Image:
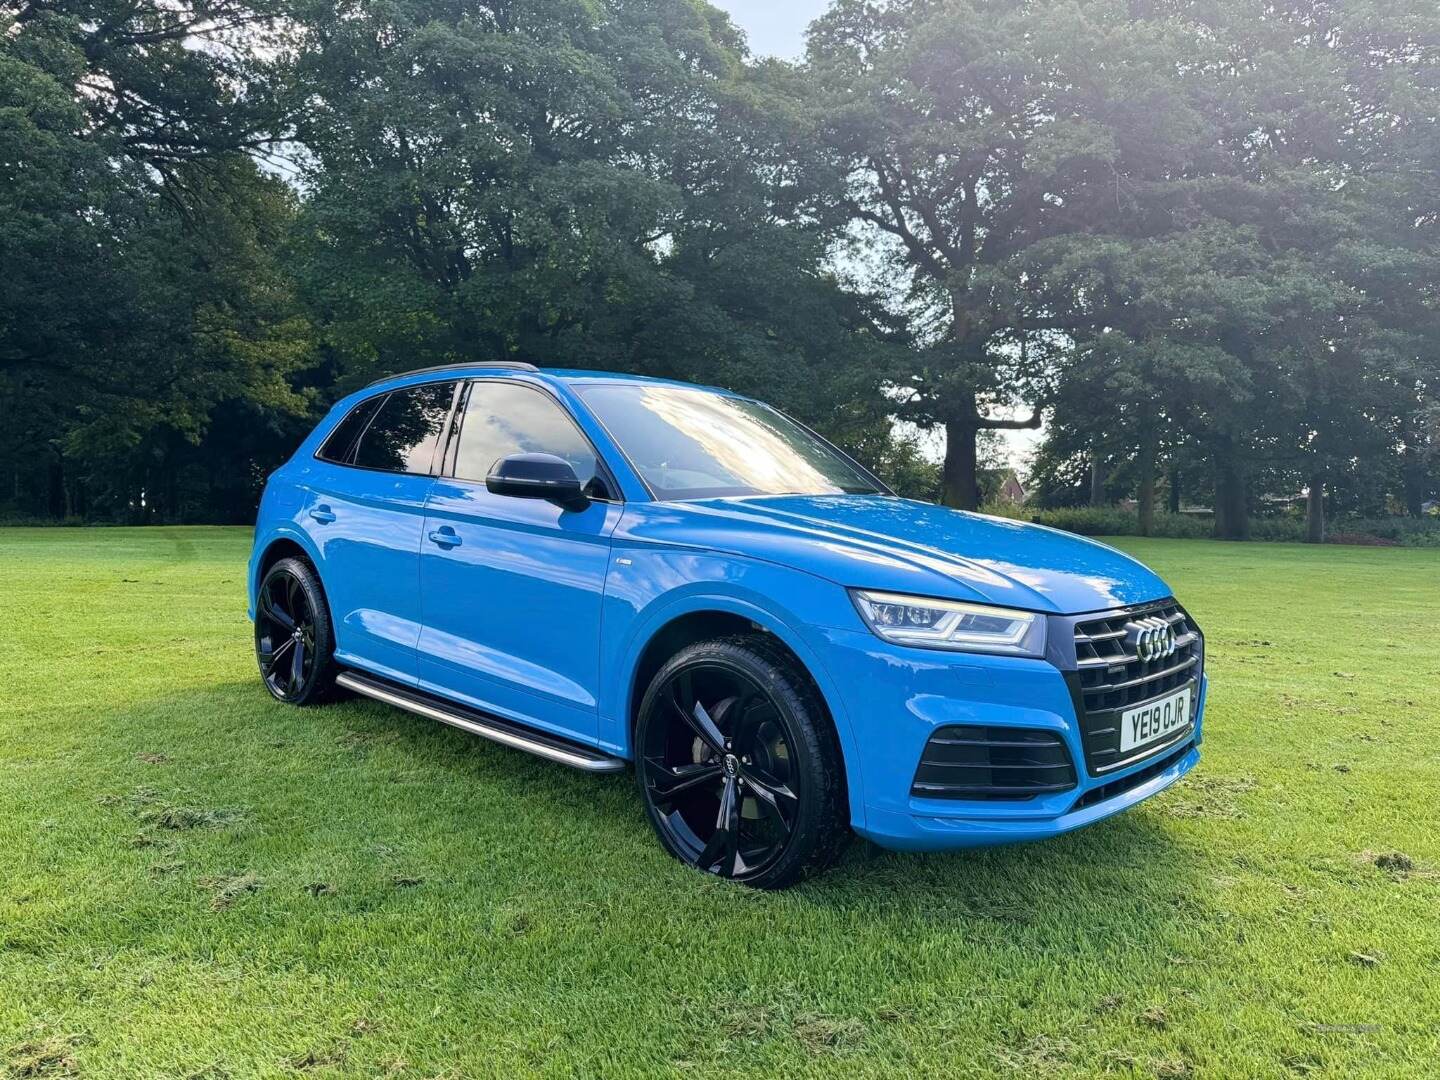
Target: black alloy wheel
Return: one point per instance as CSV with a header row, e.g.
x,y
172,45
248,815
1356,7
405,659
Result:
x,y
738,764
292,633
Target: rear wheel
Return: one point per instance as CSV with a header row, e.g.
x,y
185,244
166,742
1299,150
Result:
x,y
739,765
293,638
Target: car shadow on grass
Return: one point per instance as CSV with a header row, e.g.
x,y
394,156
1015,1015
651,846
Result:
x,y
1125,862
432,782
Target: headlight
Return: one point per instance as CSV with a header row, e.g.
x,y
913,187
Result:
x,y
949,624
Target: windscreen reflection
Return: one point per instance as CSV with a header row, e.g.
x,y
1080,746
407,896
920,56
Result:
x,y
695,444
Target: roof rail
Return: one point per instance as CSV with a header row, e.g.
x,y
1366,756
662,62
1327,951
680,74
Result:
x,y
511,365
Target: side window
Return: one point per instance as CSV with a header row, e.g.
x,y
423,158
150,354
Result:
x,y
503,418
404,433
341,442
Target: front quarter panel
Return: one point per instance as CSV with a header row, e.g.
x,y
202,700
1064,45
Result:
x,y
651,584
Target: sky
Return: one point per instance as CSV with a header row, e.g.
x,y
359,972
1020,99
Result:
x,y
777,28
774,27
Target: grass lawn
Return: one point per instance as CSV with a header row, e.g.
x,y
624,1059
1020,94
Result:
x,y
197,881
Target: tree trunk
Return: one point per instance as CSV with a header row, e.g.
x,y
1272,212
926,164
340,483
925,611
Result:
x,y
1232,510
958,485
1315,509
55,502
1097,475
172,489
1412,477
1145,491
151,498
1174,490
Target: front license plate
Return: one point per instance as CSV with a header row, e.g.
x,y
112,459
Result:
x,y
1156,720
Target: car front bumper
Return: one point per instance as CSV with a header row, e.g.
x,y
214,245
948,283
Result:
x,y
896,698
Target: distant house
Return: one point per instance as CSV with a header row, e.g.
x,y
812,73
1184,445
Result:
x,y
1011,489
1430,506
1002,485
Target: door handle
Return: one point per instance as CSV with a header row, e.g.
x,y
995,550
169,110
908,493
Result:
x,y
445,537
322,514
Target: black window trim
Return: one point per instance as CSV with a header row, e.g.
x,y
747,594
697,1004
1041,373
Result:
x,y
457,413
434,468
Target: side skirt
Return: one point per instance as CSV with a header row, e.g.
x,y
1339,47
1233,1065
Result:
x,y
504,732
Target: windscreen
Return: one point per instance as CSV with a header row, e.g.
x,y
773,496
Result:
x,y
696,444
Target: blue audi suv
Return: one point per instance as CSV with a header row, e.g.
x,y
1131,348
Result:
x,y
611,571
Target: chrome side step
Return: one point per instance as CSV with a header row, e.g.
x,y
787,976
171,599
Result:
x,y
493,728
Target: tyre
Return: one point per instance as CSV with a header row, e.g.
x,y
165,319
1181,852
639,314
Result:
x,y
739,766
294,642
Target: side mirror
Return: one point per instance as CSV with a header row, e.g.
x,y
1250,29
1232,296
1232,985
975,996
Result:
x,y
537,476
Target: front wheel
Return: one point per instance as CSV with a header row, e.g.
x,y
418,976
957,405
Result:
x,y
739,765
293,639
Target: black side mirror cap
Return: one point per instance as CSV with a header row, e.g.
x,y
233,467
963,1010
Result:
x,y
537,476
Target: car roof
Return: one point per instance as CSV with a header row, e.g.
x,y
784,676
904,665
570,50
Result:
x,y
571,376
581,377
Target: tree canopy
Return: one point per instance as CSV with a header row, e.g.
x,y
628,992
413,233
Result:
x,y
1197,240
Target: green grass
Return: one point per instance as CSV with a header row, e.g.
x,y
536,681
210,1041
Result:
x,y
196,881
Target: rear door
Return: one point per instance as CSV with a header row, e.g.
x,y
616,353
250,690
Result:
x,y
366,515
512,587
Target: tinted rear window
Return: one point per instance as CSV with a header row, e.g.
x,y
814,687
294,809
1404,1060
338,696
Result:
x,y
403,435
341,444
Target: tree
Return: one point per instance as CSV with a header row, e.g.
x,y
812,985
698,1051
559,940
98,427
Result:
x,y
573,186
1286,272
984,140
141,290
164,85
1202,234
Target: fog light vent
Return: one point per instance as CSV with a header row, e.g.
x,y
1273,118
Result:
x,y
975,762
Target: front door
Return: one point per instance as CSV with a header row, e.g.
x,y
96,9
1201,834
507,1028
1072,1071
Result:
x,y
511,588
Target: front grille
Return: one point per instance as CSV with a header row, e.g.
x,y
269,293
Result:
x,y
1111,678
974,762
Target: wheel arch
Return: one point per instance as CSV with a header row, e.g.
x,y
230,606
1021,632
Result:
x,y
282,548
280,545
699,617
